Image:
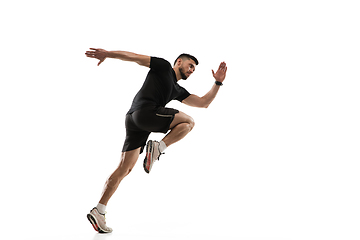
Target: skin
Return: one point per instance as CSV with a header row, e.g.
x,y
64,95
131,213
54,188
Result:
x,y
180,126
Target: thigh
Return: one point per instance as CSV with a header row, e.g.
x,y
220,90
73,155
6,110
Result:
x,y
154,119
128,161
181,117
135,137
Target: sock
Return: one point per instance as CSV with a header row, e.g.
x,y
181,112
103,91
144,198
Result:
x,y
101,208
162,146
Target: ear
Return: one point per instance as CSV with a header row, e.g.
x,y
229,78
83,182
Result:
x,y
179,62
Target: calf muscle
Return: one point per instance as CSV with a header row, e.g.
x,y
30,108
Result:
x,y
128,160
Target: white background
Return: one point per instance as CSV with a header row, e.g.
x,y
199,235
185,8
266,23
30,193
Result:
x,y
275,156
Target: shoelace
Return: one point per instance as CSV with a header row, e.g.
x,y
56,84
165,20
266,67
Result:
x,y
158,158
104,216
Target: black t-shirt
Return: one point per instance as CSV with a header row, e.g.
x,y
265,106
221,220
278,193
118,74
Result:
x,y
160,86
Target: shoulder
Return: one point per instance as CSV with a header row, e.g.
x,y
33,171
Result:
x,y
159,64
182,94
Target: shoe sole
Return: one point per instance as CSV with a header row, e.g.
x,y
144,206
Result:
x,y
94,223
149,150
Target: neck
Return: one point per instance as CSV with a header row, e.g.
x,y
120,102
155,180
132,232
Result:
x,y
177,73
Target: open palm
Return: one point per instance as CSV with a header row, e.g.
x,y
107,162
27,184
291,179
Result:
x,y
97,53
220,73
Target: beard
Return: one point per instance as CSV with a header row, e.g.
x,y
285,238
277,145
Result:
x,y
182,73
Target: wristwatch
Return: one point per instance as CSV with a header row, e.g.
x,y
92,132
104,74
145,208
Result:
x,y
218,83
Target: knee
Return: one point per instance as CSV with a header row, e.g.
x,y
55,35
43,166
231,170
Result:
x,y
191,123
124,170
128,171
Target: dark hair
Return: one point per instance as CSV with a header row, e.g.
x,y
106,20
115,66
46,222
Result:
x,y
188,56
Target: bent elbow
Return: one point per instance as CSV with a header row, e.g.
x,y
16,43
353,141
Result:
x,y
206,105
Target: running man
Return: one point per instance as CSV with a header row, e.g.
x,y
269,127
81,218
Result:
x,y
149,114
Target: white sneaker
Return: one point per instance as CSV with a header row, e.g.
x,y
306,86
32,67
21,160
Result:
x,y
152,153
97,220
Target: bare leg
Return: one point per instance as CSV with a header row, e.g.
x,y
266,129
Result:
x,y
180,127
128,160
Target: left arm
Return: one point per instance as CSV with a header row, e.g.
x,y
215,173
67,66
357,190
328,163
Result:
x,y
102,54
204,101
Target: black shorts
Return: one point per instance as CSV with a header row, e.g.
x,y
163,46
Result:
x,y
141,123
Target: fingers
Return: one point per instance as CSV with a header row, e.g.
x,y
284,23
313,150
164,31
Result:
x,y
223,67
93,52
97,49
101,61
97,53
90,53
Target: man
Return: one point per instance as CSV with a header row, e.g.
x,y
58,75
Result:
x,y
148,114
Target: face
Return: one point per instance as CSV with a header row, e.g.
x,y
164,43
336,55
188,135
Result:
x,y
187,68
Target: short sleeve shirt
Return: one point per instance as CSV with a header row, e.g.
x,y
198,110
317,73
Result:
x,y
160,86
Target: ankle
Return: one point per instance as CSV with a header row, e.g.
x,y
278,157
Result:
x,y
162,146
101,208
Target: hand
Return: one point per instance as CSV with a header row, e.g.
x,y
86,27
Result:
x,y
97,53
220,73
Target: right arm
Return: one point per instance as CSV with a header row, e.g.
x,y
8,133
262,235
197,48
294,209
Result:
x,y
102,54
